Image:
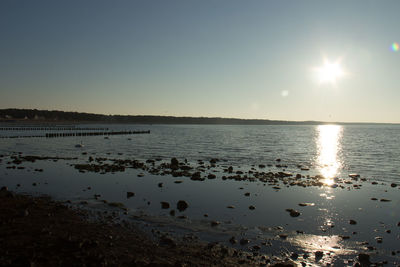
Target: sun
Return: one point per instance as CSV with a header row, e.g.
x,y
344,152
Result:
x,y
329,72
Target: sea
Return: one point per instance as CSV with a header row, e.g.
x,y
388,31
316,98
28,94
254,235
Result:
x,y
342,181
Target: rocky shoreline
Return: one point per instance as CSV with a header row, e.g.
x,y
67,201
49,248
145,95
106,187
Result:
x,y
37,231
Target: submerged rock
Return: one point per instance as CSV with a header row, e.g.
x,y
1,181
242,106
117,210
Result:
x,y
293,213
252,207
182,205
352,222
164,205
130,194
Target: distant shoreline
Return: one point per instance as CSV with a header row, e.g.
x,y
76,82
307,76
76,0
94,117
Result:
x,y
33,116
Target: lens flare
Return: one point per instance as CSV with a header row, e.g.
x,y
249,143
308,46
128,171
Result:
x,y
395,47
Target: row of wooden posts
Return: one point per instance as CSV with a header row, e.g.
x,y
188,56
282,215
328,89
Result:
x,y
51,129
52,135
57,135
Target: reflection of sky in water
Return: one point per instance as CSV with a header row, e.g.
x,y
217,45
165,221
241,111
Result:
x,y
329,146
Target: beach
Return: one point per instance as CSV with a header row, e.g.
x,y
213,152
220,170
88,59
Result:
x,y
268,211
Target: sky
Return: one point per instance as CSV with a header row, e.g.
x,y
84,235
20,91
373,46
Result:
x,y
211,58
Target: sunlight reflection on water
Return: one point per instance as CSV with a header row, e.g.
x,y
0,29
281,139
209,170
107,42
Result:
x,y
329,148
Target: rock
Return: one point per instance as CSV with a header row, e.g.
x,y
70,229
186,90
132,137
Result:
x,y
318,255
130,194
232,240
364,259
261,166
393,185
140,174
352,222
174,161
172,213
244,241
306,204
167,241
214,160
385,200
160,184
278,160
196,176
293,213
354,175
374,198
164,205
398,224
182,205
247,194
215,223
211,176
252,207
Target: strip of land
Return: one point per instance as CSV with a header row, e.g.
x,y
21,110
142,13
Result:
x,y
37,231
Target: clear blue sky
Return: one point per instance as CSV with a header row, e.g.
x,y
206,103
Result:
x,y
243,59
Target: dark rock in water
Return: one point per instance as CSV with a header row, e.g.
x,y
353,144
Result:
x,y
278,160
393,185
318,255
232,240
167,241
172,213
182,205
213,161
374,198
364,259
379,239
294,256
256,247
178,182
174,161
230,169
230,207
352,222
293,213
247,194
211,176
385,200
130,194
244,241
252,208
261,166
215,223
160,184
398,224
164,205
283,236
196,177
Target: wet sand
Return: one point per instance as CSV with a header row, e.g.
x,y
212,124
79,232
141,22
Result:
x,y
37,231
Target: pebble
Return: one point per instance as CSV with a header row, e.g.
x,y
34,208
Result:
x,y
182,205
164,205
252,208
352,222
130,194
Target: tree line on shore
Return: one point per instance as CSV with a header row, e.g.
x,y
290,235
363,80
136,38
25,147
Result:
x,y
12,115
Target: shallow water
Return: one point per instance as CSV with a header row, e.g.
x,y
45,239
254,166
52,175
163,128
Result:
x,y
331,151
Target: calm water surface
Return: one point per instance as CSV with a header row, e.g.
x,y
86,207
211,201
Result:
x,y
332,151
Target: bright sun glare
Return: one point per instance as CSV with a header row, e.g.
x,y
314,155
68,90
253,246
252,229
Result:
x,y
330,72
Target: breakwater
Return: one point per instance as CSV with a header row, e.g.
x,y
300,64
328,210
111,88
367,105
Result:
x,y
71,134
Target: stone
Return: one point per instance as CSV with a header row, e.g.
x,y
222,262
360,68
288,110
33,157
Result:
x,y
215,223
252,207
160,184
182,205
293,213
364,259
352,222
244,241
232,240
164,205
211,176
130,194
